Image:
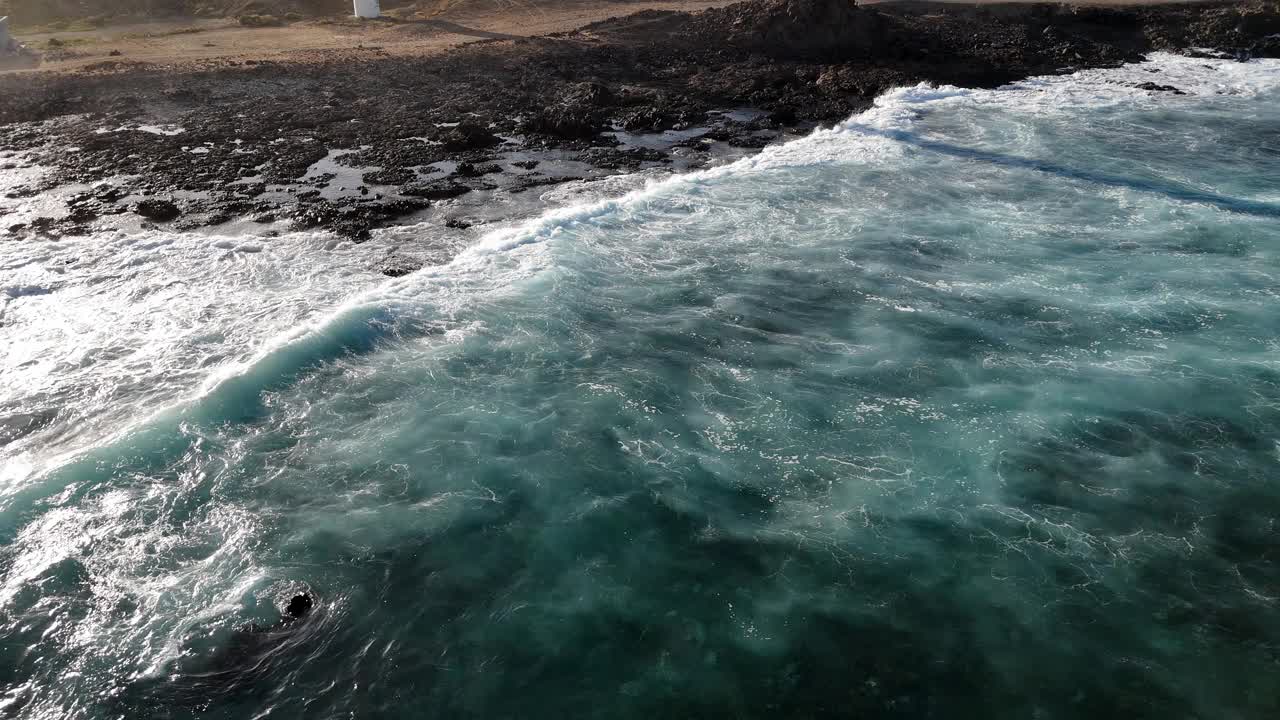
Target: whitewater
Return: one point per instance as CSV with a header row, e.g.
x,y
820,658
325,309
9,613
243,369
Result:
x,y
966,407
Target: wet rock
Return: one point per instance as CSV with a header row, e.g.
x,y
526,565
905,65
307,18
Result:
x,y
621,158
299,606
469,136
1257,22
435,190
389,176
580,113
750,141
783,116
649,119
43,224
315,215
469,169
529,181
354,221
108,193
844,80
1153,87
398,266
400,207
157,210
564,122
83,214
590,93
22,192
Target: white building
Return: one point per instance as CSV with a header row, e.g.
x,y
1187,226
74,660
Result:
x,y
367,9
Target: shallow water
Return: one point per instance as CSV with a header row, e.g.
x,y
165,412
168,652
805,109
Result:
x,y
966,408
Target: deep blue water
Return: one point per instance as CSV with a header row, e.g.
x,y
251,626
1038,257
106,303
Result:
x,y
967,408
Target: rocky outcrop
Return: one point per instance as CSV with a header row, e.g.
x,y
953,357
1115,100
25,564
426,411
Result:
x,y
404,118
157,209
469,136
810,29
576,115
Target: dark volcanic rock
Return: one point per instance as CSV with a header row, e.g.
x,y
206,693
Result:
x,y
648,119
1159,88
390,176
398,266
354,221
580,113
467,168
564,122
157,209
469,136
820,29
527,182
436,190
801,61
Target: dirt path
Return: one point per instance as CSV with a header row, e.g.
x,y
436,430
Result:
x,y
196,41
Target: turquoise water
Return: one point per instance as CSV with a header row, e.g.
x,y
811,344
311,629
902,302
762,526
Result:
x,y
966,408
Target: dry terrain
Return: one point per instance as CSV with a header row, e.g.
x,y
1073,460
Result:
x,y
167,42
198,40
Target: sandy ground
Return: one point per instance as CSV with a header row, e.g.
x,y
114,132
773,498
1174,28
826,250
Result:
x,y
171,42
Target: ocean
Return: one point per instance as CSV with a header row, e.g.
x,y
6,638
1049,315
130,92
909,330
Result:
x,y
966,407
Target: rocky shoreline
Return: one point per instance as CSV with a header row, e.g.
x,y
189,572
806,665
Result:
x,y
359,140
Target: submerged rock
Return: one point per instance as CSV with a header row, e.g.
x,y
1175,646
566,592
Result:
x,y
398,266
299,606
1153,87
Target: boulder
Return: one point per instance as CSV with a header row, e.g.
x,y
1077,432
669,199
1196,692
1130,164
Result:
x,y
157,209
468,136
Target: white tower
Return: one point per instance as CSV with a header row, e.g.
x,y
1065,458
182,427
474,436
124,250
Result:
x,y
6,42
367,9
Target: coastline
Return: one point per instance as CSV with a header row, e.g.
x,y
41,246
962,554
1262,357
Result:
x,y
962,404
355,141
